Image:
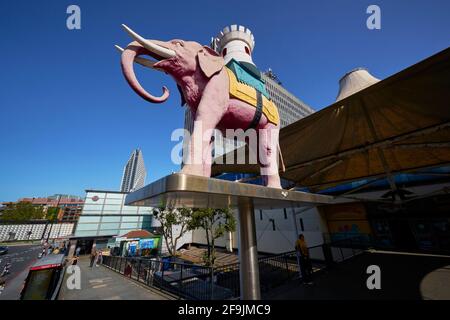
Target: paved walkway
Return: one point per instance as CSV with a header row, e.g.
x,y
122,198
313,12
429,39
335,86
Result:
x,y
404,276
100,283
223,257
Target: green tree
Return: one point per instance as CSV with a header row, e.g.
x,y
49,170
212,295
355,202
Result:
x,y
52,213
22,211
174,224
215,222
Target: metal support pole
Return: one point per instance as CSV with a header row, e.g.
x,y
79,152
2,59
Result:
x,y
294,215
248,252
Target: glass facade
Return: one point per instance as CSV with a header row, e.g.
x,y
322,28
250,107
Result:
x,y
104,214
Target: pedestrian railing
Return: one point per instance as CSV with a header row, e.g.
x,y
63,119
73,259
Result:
x,y
187,281
196,282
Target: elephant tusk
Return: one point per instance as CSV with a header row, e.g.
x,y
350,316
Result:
x,y
119,48
149,45
141,61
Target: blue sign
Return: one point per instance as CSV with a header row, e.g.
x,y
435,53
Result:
x,y
132,249
147,243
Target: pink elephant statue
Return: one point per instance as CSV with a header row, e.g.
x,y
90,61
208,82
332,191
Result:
x,y
204,82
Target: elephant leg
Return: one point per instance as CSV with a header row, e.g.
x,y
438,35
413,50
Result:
x,y
207,158
268,155
200,148
193,159
188,159
214,103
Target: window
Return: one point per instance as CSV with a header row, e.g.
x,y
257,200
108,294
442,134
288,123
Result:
x,y
115,196
273,224
114,201
130,219
92,207
87,226
111,232
247,50
112,207
129,210
109,226
285,213
224,52
301,225
111,219
86,219
129,226
85,233
260,215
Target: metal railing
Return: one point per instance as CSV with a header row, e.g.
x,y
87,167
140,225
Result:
x,y
196,282
187,281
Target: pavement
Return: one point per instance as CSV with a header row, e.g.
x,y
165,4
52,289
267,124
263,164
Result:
x,y
100,283
21,257
404,276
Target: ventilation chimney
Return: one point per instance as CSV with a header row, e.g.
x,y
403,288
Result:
x,y
354,81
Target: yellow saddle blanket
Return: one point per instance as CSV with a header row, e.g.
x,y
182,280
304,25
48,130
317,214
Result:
x,y
247,94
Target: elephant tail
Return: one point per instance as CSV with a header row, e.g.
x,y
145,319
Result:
x,y
280,154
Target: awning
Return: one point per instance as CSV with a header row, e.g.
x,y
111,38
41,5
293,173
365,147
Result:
x,y
138,234
399,124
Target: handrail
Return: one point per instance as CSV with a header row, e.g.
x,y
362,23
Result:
x,y
193,281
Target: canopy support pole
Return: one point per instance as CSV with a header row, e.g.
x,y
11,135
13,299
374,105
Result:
x,y
248,251
380,151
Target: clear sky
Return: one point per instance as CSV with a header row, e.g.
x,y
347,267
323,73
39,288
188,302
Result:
x,y
69,121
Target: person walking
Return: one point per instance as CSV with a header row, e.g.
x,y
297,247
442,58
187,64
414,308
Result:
x,y
93,256
2,284
77,251
305,262
99,258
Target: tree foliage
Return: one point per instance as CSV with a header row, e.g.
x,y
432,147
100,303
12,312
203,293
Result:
x,y
215,222
174,224
52,213
22,211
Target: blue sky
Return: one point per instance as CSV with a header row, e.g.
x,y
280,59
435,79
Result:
x,y
69,121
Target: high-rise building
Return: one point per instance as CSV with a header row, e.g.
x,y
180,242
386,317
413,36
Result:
x,y
290,107
134,172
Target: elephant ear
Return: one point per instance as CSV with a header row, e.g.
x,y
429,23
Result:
x,y
210,62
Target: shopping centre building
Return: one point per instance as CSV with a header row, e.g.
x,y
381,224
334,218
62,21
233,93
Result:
x,y
105,217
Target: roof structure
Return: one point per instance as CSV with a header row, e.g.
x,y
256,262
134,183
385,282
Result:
x,y
141,234
354,81
399,124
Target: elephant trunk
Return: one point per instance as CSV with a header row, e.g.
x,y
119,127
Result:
x,y
132,51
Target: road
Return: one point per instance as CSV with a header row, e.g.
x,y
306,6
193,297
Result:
x,y
21,257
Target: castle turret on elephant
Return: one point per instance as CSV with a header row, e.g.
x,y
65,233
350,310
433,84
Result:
x,y
216,98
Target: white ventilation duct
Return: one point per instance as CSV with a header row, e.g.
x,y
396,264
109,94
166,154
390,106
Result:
x,y
354,81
